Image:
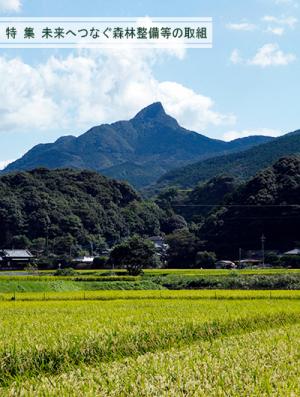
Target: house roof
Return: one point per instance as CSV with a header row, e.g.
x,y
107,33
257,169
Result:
x,y
84,259
16,254
156,238
295,251
250,260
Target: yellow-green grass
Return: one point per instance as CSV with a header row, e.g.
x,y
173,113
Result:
x,y
101,274
42,339
219,272
151,294
79,277
16,283
259,364
15,288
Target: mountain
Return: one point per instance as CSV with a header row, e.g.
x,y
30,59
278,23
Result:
x,y
139,150
268,204
73,208
243,165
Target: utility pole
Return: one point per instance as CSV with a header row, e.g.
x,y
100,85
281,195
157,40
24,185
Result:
x,y
240,257
91,248
263,240
47,235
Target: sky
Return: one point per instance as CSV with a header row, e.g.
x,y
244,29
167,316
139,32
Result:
x,y
247,84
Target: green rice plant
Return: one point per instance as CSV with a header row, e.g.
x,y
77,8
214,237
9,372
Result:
x,y
261,363
53,336
140,294
219,272
69,278
19,288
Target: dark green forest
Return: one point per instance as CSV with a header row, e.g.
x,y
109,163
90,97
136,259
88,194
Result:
x,y
69,212
269,204
225,214
71,209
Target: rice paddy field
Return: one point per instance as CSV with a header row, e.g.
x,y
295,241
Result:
x,y
150,343
45,282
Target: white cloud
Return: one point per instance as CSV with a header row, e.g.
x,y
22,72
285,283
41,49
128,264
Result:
x,y
73,93
10,5
285,21
231,135
271,55
277,31
241,26
293,3
25,103
193,110
4,163
278,25
235,57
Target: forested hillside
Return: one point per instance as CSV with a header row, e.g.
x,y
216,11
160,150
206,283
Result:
x,y
71,208
269,205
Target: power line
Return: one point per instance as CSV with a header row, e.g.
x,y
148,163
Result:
x,y
239,205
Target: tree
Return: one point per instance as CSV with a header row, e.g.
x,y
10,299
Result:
x,y
52,204
267,205
134,254
98,244
166,197
174,222
100,262
196,204
206,259
272,259
63,245
292,261
38,246
183,246
20,242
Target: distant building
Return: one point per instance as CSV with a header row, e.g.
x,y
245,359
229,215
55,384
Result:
x,y
15,259
295,251
84,261
159,243
225,265
106,252
244,263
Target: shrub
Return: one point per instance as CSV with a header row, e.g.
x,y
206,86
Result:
x,y
100,262
32,268
272,259
292,261
68,271
206,259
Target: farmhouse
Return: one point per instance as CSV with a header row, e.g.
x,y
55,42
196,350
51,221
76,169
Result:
x,y
84,262
159,244
15,259
222,264
295,251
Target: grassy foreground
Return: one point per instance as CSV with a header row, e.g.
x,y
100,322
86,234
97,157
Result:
x,y
224,367
110,295
152,343
157,279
